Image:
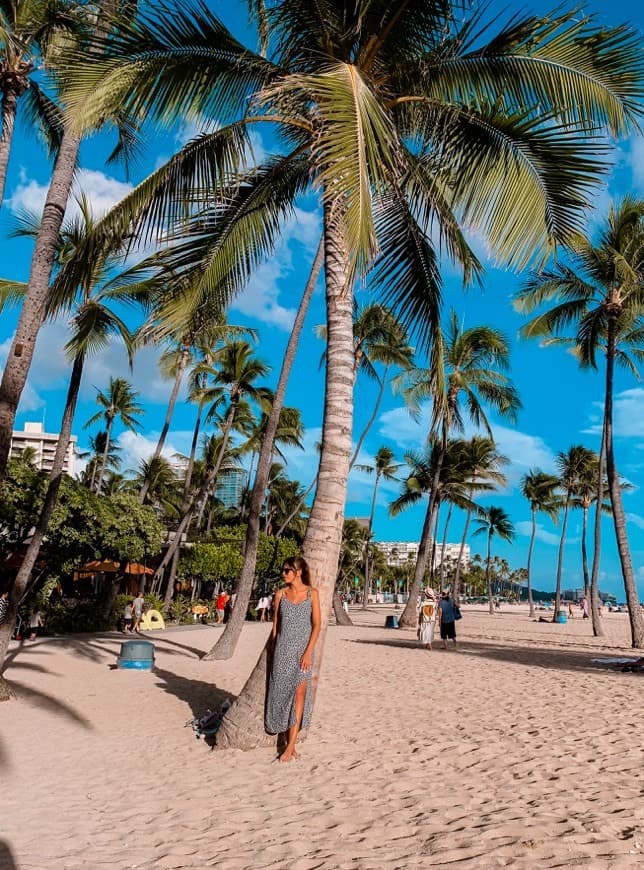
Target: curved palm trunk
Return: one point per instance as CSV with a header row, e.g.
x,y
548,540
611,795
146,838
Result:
x,y
562,542
598,625
183,362
441,570
243,725
461,552
529,565
8,112
225,646
195,501
367,561
409,618
23,578
33,307
372,419
619,518
488,573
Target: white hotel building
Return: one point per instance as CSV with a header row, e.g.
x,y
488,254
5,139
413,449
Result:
x,y
401,553
44,446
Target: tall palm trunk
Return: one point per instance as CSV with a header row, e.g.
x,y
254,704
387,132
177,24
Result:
x,y
488,573
23,578
372,418
8,111
33,307
103,463
529,565
562,543
409,618
196,500
598,625
183,362
367,561
243,725
225,646
584,552
461,551
441,570
619,518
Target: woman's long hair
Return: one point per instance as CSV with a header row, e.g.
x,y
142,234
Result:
x,y
299,564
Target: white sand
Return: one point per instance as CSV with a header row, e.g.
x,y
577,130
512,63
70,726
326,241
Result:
x,y
512,752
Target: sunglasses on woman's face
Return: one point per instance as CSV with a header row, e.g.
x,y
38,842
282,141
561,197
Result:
x,y
288,570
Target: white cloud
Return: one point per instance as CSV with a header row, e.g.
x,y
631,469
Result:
x,y
102,191
145,377
49,367
634,156
524,451
524,528
628,415
635,520
260,298
136,447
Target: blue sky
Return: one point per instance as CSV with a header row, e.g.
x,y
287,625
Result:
x,y
561,405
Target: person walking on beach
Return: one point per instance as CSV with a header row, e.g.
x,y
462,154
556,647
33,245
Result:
x,y
220,607
447,614
127,617
137,607
296,627
4,605
35,624
262,607
427,618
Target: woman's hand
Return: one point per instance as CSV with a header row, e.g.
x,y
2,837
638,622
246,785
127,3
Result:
x,y
305,661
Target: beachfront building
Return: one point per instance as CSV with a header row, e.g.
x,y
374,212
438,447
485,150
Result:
x,y
231,484
42,446
401,553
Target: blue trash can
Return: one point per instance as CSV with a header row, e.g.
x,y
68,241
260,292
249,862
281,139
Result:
x,y
136,655
391,621
561,617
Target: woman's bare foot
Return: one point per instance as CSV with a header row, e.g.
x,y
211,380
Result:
x,y
288,755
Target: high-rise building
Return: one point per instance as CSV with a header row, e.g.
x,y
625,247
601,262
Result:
x,y
400,553
231,484
43,445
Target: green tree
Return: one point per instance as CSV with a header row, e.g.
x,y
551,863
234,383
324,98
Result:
x,y
540,489
119,402
470,371
403,117
601,292
494,522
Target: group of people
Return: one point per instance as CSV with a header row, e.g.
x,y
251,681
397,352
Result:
x,y
132,615
445,611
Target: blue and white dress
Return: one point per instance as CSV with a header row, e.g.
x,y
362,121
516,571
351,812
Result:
x,y
293,635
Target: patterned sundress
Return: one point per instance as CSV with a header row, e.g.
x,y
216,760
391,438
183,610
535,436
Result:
x,y
293,634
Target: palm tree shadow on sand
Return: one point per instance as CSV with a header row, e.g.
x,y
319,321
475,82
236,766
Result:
x,y
7,860
560,659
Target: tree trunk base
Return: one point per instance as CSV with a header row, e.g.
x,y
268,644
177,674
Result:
x,y
243,725
341,616
6,692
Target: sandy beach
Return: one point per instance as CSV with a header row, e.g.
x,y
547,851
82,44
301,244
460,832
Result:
x,y
514,751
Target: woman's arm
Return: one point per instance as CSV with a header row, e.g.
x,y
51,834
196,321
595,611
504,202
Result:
x,y
276,610
305,661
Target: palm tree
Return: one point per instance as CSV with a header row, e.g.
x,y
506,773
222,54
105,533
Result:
x,y
494,521
95,454
574,467
479,464
27,30
470,368
540,490
385,468
234,371
93,324
403,118
33,310
119,401
378,337
602,292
